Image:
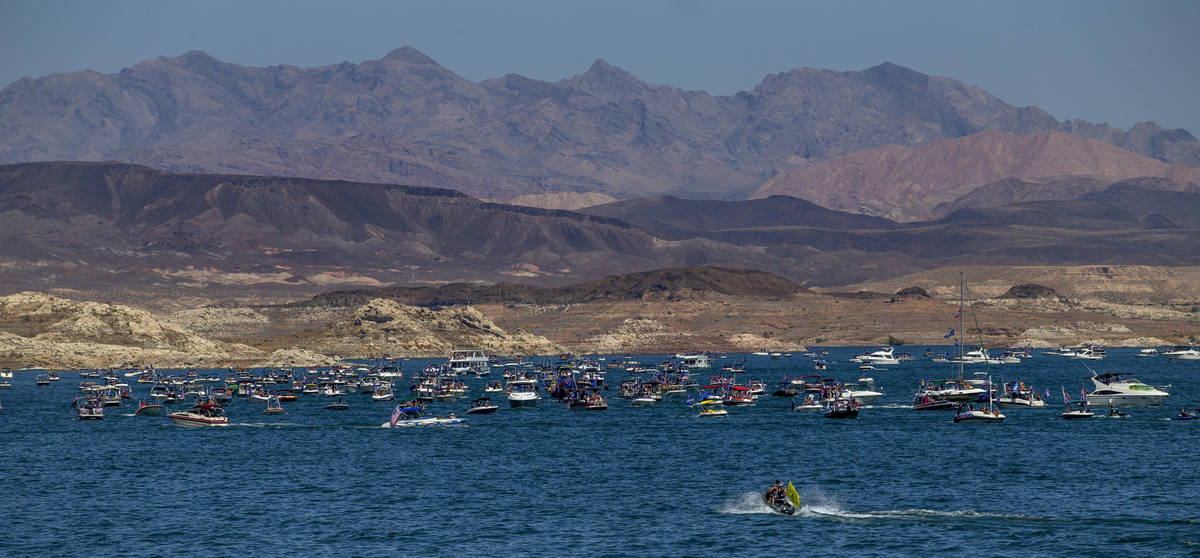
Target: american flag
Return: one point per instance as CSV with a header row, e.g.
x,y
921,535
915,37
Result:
x,y
396,415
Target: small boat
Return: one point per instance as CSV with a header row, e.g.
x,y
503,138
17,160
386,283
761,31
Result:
x,y
414,416
148,410
810,404
42,380
967,413
1146,353
90,408
274,407
338,405
712,408
287,395
383,392
929,403
494,386
205,412
841,409
482,406
644,400
1185,414
1077,413
783,500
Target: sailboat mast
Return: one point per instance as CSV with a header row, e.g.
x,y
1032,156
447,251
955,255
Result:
x,y
962,320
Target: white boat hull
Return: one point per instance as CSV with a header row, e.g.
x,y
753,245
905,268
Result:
x,y
425,421
522,402
1119,400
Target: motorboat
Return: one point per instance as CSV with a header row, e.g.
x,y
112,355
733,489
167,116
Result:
x,y
89,408
414,416
1121,389
841,408
862,391
927,402
969,413
274,407
710,408
643,401
287,395
785,389
493,386
1017,395
42,380
694,361
950,390
383,392
148,410
1146,353
482,406
205,412
338,405
523,392
1072,413
1183,352
809,405
1089,353
882,356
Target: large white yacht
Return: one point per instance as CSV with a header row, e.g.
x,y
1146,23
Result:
x,y
699,360
882,356
1120,389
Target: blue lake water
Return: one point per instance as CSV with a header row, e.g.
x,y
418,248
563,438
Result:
x,y
640,481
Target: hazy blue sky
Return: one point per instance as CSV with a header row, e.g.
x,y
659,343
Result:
x,y
1115,62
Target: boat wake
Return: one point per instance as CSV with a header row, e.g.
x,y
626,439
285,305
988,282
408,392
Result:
x,y
820,505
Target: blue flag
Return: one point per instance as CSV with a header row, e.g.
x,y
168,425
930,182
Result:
x,y
948,335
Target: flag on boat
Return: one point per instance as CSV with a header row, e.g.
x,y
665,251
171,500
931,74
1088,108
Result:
x,y
1066,398
792,496
396,415
949,335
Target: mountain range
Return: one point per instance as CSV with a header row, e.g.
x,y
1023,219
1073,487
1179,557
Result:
x,y
404,119
113,226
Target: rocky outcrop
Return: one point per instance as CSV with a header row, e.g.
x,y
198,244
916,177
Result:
x,y
62,333
386,327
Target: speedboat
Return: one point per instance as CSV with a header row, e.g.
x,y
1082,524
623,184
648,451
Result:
x,y
841,408
1077,413
1144,353
810,404
971,414
929,403
383,392
482,406
89,409
338,405
644,400
205,412
1121,389
1017,395
414,416
1183,352
523,393
862,391
148,410
712,408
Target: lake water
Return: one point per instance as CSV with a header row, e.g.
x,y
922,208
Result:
x,y
630,481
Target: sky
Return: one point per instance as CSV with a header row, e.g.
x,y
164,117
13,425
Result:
x,y
1100,60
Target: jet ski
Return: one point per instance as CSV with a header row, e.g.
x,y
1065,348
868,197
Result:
x,y
787,503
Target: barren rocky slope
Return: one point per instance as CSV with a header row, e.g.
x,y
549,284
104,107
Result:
x,y
908,183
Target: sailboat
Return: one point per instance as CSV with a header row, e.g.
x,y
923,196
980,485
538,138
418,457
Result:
x,y
966,412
